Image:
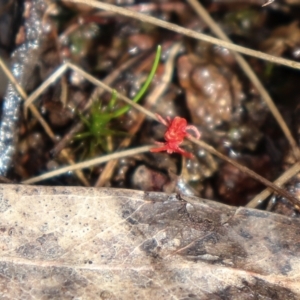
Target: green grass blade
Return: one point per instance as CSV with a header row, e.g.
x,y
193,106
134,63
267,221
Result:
x,y
145,86
112,101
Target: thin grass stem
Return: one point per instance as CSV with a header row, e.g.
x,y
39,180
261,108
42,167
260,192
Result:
x,y
188,32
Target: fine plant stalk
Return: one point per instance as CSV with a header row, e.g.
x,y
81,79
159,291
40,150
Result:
x,y
287,175
145,86
107,88
188,32
250,73
88,163
39,117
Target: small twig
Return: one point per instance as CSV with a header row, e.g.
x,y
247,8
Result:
x,y
111,78
38,116
280,181
88,163
66,139
109,89
12,79
246,170
5,180
45,85
89,77
201,11
177,7
268,2
23,94
188,32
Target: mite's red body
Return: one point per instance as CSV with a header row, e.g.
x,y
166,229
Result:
x,y
174,136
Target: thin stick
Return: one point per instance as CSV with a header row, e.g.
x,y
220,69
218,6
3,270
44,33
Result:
x,y
188,32
12,79
109,79
45,85
38,116
202,12
268,2
246,170
280,181
88,163
23,94
109,89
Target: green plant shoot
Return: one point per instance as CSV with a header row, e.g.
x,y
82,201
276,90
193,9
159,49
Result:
x,y
99,117
145,86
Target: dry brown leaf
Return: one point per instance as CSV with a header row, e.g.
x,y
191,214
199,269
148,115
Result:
x,y
87,243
